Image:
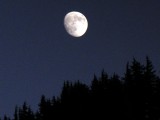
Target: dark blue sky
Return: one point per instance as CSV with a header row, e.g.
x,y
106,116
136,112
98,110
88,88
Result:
x,y
37,55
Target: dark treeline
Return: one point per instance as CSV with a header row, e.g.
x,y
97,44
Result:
x,y
135,96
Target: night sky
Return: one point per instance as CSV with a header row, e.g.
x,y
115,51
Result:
x,y
37,54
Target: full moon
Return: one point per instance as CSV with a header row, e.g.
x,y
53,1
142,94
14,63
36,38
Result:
x,y
75,24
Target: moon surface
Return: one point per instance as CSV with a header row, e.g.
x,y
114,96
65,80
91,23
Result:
x,y
75,24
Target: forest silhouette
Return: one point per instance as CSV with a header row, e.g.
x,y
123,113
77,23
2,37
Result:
x,y
135,96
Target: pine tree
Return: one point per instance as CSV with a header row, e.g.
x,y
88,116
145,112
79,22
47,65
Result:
x,y
151,91
16,113
134,87
25,113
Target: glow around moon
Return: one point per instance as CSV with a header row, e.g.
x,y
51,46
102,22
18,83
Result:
x,y
75,24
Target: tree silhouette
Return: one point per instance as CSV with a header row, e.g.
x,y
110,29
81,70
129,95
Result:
x,y
25,113
16,113
132,97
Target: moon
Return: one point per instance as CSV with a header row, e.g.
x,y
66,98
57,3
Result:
x,y
75,23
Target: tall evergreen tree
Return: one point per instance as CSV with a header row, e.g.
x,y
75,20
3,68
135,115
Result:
x,y
25,113
151,91
16,113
